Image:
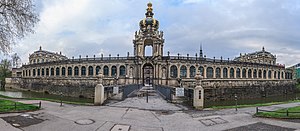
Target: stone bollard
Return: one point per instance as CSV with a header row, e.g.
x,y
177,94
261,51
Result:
x,y
198,101
99,91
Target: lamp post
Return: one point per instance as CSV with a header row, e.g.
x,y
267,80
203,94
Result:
x,y
61,95
235,98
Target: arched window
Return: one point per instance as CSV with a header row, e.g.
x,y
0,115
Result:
x,y
244,73
278,75
231,73
238,73
210,72
259,74
265,74
183,71
91,71
275,74
76,71
97,70
201,70
83,71
47,71
192,71
122,71
63,71
52,72
282,75
105,70
254,73
113,71
57,71
38,70
69,71
29,71
249,73
225,73
218,72
32,73
269,74
173,71
43,71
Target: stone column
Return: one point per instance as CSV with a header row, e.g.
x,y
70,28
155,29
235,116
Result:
x,y
214,72
99,91
198,100
234,72
221,72
204,72
187,71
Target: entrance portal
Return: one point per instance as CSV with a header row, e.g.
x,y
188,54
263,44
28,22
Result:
x,y
148,74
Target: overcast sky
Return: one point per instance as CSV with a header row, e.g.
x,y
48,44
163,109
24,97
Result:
x,y
225,27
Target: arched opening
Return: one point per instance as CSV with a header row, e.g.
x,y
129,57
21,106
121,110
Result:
x,y
148,47
148,51
148,74
210,72
105,71
231,73
57,71
249,73
52,72
113,71
83,71
173,71
238,73
47,71
201,70
225,73
63,71
122,71
43,72
192,72
91,71
97,70
76,71
255,73
69,71
218,72
183,71
244,73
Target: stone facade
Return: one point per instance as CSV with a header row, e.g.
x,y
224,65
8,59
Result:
x,y
55,69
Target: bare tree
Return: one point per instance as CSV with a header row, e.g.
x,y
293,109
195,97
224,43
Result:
x,y
17,18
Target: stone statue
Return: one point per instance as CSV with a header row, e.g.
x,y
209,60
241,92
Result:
x,y
100,77
198,78
163,73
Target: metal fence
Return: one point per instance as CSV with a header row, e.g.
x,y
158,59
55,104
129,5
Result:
x,y
287,112
165,91
129,89
16,107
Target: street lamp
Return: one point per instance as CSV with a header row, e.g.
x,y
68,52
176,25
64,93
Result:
x,y
235,98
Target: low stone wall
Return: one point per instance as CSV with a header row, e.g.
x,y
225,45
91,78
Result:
x,y
214,89
226,90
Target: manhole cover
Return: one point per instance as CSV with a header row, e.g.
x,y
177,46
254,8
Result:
x,y
84,121
120,128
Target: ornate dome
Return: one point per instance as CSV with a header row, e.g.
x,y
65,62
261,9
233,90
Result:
x,y
149,22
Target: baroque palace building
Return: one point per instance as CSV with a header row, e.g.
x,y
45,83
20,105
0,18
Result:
x,y
156,69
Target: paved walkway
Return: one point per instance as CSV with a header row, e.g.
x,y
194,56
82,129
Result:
x,y
135,114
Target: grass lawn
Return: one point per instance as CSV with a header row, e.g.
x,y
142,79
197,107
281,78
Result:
x,y
282,113
254,105
52,100
9,106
